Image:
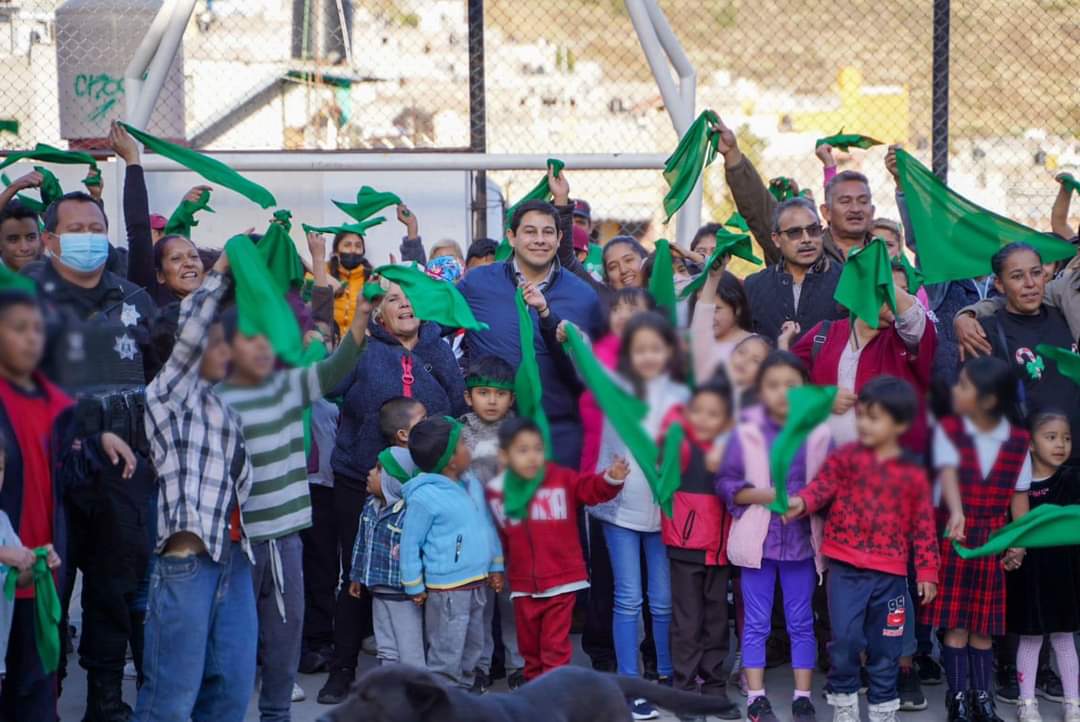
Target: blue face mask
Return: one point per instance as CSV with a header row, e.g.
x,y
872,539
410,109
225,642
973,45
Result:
x,y
84,252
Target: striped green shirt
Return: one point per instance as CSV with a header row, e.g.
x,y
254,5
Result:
x,y
272,416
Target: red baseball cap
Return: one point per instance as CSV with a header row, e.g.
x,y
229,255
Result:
x,y
581,208
158,221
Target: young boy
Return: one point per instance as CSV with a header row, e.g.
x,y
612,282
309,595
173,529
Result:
x,y
879,507
376,563
546,565
449,549
270,405
489,392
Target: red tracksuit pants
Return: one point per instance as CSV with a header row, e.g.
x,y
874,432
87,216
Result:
x,y
543,630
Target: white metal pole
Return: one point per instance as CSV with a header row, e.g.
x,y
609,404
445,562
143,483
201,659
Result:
x,y
162,61
346,161
136,69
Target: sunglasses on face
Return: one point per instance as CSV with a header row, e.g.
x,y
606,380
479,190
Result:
x,y
813,230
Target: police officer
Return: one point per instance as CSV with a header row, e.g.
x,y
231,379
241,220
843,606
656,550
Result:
x,y
99,351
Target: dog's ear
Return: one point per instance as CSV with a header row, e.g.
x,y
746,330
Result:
x,y
425,695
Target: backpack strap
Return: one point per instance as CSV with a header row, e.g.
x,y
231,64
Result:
x,y
819,339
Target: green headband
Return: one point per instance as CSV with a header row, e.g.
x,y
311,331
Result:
x,y
474,381
392,467
451,445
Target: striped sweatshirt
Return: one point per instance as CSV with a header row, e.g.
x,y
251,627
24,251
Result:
x,y
272,416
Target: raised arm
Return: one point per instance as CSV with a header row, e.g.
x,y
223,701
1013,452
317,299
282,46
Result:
x,y
752,197
136,210
1059,213
412,246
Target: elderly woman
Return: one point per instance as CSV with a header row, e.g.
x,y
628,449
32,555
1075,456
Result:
x,y
404,357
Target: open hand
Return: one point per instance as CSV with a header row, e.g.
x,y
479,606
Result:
x,y
619,469
117,450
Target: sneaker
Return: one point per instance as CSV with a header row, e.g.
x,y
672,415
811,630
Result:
x,y
515,680
315,661
845,707
959,707
337,686
885,711
298,694
930,672
1048,685
760,710
641,709
1071,708
802,710
1027,710
481,682
982,706
1006,688
912,698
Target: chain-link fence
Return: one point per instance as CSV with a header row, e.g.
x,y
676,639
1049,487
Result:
x,y
570,77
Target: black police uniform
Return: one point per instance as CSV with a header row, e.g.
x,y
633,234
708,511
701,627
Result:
x,y
99,351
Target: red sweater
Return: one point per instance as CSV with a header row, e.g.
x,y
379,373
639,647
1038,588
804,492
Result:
x,y
885,354
879,511
543,550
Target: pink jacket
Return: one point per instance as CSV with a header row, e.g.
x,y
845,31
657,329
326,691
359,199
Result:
x,y
747,536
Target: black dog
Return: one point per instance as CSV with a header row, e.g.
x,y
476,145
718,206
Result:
x,y
398,693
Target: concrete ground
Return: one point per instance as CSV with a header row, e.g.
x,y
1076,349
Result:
x,y
778,682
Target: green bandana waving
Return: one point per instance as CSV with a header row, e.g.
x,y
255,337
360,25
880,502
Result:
x,y
783,188
368,202
914,276
1067,180
1047,525
1068,363
432,299
846,141
48,154
866,283
727,243
662,281
957,238
697,148
50,190
212,170
358,228
46,608
540,192
183,220
279,254
808,407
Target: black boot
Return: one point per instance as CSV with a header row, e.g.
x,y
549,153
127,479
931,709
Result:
x,y
982,707
104,697
958,706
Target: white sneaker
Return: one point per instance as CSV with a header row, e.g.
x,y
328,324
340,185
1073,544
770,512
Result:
x,y
1027,710
298,693
1071,708
845,707
885,711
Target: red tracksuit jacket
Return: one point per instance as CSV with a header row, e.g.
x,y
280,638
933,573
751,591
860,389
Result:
x,y
543,550
878,511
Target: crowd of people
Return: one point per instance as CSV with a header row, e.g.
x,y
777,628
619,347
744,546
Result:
x,y
241,514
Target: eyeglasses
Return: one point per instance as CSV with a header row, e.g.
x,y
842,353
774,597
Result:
x,y
813,230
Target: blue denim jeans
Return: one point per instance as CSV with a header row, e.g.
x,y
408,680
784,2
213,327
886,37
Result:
x,y
199,657
624,547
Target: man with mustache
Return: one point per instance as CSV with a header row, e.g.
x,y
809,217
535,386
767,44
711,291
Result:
x,y
848,208
799,287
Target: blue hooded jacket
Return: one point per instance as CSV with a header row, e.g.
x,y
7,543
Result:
x,y
437,384
449,539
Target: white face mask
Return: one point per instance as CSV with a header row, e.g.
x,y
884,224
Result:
x,y
84,252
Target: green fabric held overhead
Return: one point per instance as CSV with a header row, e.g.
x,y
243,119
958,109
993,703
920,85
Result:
x,y
280,255
183,220
46,608
783,188
915,279
662,281
866,283
735,220
209,168
539,192
957,238
14,281
696,149
50,186
373,290
368,202
1068,363
670,467
528,393
1070,182
808,407
48,154
623,410
93,178
735,244
1047,525
432,299
846,141
392,466
10,126
358,228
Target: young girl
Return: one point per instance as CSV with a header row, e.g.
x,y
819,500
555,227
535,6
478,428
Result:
x,y
721,320
746,359
984,469
696,539
766,548
1043,592
650,365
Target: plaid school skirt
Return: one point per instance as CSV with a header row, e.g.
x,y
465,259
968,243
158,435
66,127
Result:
x,y
971,593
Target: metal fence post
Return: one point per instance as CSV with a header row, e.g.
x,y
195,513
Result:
x,y
940,98
477,115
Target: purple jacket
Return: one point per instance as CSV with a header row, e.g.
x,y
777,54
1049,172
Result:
x,y
784,542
